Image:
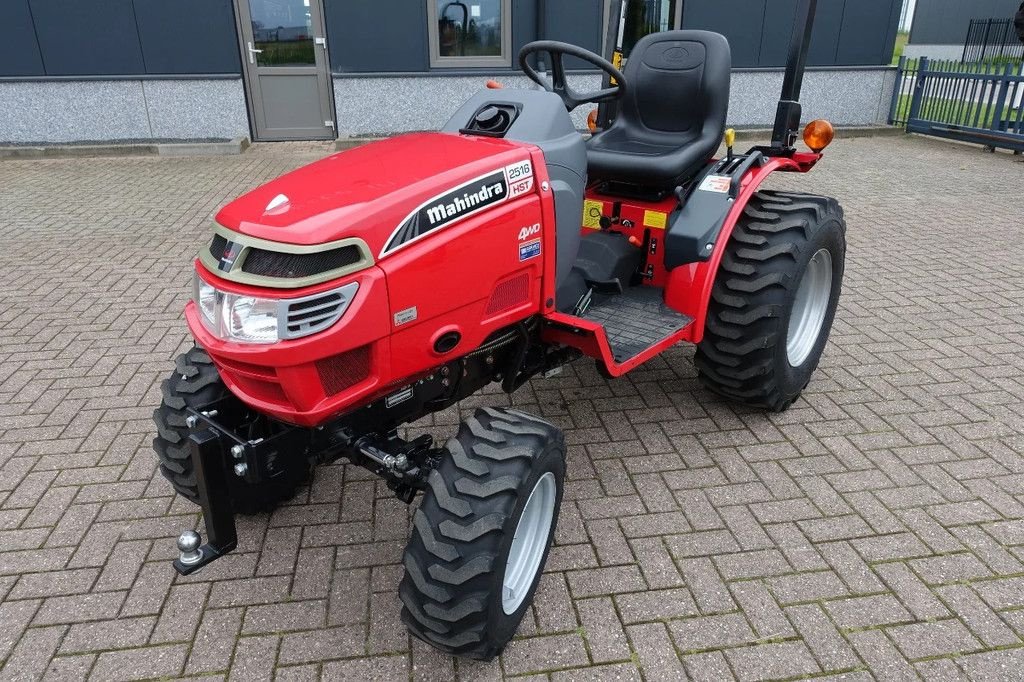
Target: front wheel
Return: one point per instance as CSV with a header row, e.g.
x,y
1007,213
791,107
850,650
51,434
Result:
x,y
195,383
774,299
482,532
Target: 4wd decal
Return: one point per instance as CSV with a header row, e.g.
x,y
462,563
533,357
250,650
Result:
x,y
463,201
529,231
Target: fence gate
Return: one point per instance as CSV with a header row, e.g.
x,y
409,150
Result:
x,y
992,39
980,103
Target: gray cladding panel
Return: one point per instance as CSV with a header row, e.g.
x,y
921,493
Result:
x,y
87,37
377,36
737,20
188,36
778,27
846,32
945,22
117,37
578,22
360,42
868,33
19,51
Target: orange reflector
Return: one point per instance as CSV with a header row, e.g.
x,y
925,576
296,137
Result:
x,y
592,121
494,85
819,134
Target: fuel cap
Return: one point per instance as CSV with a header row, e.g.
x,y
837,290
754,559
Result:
x,y
491,118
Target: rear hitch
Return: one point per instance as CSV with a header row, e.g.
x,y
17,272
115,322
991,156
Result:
x,y
215,500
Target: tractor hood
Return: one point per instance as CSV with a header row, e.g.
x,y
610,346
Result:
x,y
370,191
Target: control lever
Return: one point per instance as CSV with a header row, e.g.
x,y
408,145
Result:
x,y
680,194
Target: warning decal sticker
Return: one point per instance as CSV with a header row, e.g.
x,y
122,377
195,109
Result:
x,y
716,183
655,219
592,214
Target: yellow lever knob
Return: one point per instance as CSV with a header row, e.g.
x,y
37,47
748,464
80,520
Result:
x,y
730,137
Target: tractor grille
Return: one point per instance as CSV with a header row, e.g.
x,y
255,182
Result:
x,y
309,315
296,265
341,372
259,262
218,246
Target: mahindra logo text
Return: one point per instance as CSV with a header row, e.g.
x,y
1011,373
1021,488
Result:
x,y
467,202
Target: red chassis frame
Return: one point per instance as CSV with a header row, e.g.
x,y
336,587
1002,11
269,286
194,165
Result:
x,y
287,379
687,288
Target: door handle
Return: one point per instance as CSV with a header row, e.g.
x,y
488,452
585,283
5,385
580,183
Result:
x,y
252,52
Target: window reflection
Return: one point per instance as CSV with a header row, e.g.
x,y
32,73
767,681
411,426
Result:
x,y
644,17
283,29
469,29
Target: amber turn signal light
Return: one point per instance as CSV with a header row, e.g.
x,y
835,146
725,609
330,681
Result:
x,y
819,134
592,121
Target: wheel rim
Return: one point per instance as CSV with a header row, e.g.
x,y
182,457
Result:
x,y
528,544
809,308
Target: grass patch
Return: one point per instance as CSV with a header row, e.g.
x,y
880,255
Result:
x,y
956,112
901,45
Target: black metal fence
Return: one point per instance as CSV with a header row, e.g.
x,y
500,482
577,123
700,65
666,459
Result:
x,y
903,93
979,102
992,40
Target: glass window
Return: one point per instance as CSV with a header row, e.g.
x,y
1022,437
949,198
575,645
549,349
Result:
x,y
471,33
283,31
644,17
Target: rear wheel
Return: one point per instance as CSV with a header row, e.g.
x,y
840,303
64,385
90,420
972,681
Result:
x,y
774,299
482,532
196,383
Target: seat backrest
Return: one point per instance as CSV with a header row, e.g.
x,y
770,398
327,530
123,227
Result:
x,y
678,87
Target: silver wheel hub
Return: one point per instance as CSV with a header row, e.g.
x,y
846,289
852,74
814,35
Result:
x,y
529,543
809,308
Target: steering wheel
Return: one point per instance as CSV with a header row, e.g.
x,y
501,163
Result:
x,y
559,84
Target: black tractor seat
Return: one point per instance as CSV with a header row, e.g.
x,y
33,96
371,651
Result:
x,y
672,116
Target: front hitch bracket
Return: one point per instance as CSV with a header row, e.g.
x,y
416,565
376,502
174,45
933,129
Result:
x,y
215,499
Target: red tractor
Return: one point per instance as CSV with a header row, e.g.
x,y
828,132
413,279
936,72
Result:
x,y
355,295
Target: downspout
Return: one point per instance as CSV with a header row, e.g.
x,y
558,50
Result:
x,y
542,30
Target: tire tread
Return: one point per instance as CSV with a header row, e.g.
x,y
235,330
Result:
x,y
453,552
744,321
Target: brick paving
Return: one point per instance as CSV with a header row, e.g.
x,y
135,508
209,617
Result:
x,y
875,530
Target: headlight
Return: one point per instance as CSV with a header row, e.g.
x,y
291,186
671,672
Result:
x,y
206,298
236,317
250,319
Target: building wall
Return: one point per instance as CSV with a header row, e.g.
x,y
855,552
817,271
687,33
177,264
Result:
x,y
945,22
401,103
846,32
63,38
75,70
122,110
102,70
361,43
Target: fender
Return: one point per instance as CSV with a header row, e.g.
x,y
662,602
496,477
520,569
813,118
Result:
x,y
689,286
